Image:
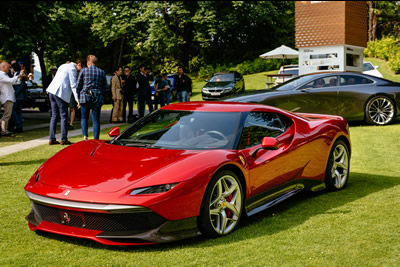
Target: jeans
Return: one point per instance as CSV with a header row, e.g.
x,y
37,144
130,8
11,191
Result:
x,y
85,110
182,96
17,114
58,108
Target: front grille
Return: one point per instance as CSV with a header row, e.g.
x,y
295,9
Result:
x,y
106,222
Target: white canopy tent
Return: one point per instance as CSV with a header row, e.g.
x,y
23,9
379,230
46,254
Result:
x,y
282,52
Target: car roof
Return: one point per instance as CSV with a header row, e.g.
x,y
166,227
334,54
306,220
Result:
x,y
217,106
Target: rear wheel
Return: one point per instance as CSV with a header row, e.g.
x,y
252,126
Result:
x,y
337,170
379,110
222,205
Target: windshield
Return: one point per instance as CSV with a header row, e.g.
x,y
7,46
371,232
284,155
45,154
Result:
x,y
172,129
293,83
290,71
368,66
226,77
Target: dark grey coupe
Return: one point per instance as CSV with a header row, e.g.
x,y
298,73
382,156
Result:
x,y
354,96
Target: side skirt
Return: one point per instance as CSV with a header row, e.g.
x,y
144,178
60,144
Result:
x,y
270,198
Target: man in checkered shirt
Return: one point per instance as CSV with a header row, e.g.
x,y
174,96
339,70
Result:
x,y
91,85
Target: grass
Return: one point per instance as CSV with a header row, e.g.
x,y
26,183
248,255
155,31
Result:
x,y
355,227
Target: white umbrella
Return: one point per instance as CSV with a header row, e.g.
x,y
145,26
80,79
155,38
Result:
x,y
281,52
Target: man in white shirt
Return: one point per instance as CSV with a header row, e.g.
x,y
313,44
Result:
x,y
7,95
60,90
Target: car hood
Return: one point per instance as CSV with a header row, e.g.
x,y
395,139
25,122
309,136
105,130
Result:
x,y
218,84
102,167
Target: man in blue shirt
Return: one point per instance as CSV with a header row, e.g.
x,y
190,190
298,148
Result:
x,y
91,85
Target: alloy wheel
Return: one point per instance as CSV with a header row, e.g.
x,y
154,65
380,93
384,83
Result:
x,y
340,166
225,204
380,110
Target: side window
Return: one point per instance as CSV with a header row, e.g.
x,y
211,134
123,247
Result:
x,y
261,124
323,82
354,80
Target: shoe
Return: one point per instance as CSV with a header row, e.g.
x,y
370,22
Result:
x,y
63,143
7,134
54,142
70,127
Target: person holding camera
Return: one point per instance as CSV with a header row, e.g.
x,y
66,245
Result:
x,y
7,95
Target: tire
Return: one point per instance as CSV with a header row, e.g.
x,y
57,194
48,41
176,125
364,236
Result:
x,y
243,88
380,110
220,213
44,108
337,169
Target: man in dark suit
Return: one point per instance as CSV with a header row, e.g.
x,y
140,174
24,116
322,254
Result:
x,y
130,91
144,91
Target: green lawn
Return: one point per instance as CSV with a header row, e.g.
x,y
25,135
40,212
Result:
x,y
358,226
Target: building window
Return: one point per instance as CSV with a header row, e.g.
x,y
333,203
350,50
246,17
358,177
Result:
x,y
352,60
318,56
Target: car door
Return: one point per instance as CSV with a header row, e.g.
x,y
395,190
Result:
x,y
317,96
271,168
353,93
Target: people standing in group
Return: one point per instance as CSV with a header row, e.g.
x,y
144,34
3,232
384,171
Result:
x,y
144,91
183,85
59,90
20,91
91,85
129,92
7,95
117,97
161,87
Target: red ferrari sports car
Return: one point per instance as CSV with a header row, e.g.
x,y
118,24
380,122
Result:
x,y
187,169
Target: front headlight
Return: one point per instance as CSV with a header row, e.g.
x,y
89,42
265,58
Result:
x,y
153,189
228,89
205,91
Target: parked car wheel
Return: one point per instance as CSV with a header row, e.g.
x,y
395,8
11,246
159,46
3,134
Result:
x,y
222,205
337,170
380,110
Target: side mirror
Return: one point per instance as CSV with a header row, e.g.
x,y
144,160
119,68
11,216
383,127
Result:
x,y
376,67
270,143
267,143
114,132
206,80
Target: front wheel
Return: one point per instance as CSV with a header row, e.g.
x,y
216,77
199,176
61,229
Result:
x,y
222,205
379,110
337,170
